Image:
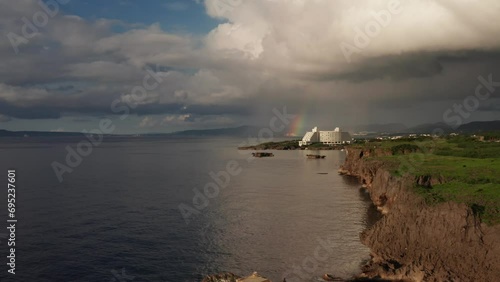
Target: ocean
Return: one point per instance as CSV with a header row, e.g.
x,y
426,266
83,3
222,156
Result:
x,y
158,209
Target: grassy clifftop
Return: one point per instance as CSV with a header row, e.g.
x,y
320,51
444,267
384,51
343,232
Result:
x,y
460,169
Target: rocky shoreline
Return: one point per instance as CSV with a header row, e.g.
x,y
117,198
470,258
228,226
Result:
x,y
419,242
415,241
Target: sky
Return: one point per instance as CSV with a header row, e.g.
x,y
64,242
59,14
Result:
x,y
163,66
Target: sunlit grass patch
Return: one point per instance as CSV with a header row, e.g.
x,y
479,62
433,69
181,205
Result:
x,y
464,170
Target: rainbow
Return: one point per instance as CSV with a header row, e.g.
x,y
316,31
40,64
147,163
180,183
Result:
x,y
297,126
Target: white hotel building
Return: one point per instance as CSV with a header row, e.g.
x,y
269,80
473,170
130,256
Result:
x,y
326,137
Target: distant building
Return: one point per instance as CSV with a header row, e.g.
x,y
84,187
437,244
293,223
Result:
x,y
396,137
326,137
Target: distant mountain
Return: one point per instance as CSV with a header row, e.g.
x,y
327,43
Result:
x,y
480,126
7,133
430,128
380,128
392,128
241,131
253,131
472,127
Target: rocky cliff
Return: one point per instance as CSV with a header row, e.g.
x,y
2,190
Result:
x,y
420,242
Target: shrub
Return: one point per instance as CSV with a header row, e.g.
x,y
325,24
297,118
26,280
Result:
x,y
405,149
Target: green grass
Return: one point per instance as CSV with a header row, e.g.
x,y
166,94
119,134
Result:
x,y
484,199
470,170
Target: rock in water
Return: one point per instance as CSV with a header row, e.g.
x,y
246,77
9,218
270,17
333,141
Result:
x,y
221,277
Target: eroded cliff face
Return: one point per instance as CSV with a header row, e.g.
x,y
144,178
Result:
x,y
418,242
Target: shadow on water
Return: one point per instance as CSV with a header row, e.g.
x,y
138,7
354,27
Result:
x,y
372,214
351,180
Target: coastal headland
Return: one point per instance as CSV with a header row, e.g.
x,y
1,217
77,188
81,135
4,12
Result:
x,y
440,201
440,198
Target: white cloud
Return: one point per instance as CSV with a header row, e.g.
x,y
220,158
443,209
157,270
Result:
x,y
306,35
148,122
175,119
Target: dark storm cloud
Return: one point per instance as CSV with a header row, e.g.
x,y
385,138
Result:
x,y
198,109
268,53
42,112
409,65
395,67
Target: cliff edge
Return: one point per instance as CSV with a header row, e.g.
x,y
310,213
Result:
x,y
418,241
